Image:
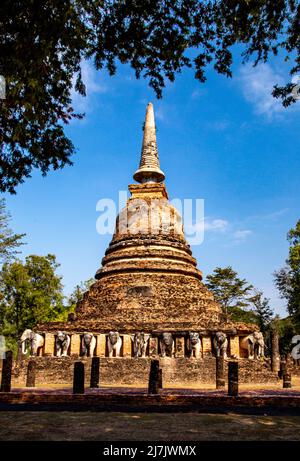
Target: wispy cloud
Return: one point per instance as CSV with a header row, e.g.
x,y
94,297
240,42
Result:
x,y
92,80
257,84
216,228
215,225
242,235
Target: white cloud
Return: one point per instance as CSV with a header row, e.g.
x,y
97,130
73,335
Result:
x,y
257,85
216,225
241,235
91,79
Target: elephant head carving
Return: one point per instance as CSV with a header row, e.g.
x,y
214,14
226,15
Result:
x,y
114,344
88,345
31,342
140,342
254,344
167,345
220,343
62,344
194,344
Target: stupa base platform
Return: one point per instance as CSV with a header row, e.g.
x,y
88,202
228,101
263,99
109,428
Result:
x,y
122,371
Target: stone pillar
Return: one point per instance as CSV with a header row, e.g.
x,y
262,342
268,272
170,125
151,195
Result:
x,y
234,346
233,379
127,348
220,378
75,345
78,378
153,347
30,375
206,346
275,357
6,372
283,369
20,355
287,380
153,387
101,345
49,345
179,347
95,372
160,381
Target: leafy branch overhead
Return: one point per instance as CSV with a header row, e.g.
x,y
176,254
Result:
x,y
42,46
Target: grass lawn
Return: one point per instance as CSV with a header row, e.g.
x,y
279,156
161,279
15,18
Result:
x,y
89,426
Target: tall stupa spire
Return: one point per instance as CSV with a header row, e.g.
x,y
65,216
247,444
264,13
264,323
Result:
x,y
149,169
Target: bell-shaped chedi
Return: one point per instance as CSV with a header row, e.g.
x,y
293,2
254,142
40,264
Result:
x,y
148,280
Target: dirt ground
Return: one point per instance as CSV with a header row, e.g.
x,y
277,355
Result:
x,y
92,426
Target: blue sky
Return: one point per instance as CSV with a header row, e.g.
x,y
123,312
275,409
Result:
x,y
227,142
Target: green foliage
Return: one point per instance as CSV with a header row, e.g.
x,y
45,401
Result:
x,y
43,43
74,298
9,242
229,290
287,279
239,315
30,293
286,329
263,312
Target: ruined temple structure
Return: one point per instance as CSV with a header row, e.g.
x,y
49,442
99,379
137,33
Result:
x,y
148,300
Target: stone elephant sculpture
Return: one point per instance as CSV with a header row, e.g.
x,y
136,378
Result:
x,y
140,342
166,345
254,344
220,343
31,342
62,344
88,345
194,345
114,344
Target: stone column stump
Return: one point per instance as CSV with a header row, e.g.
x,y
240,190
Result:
x,y
78,378
95,372
233,379
220,378
154,381
287,380
6,372
30,375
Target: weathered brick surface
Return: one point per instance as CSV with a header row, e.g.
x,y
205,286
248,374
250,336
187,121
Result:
x,y
130,371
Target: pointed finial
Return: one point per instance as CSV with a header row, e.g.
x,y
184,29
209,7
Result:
x,y
149,169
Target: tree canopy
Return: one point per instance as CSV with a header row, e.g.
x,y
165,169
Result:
x,y
229,290
43,45
287,279
9,241
30,293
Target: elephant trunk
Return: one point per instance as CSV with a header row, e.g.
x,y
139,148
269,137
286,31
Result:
x,y
23,347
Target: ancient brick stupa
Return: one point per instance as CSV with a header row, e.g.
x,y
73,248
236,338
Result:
x,y
147,287
148,280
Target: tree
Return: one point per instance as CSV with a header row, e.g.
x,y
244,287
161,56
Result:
x,y
42,46
75,297
78,292
264,314
287,279
30,293
9,242
229,290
